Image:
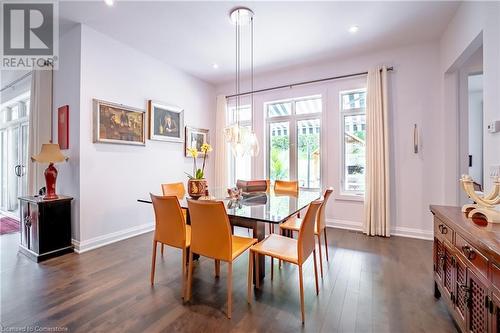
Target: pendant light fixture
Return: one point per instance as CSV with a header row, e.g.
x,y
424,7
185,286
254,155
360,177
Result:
x,y
242,140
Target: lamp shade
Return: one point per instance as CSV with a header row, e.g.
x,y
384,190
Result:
x,y
50,153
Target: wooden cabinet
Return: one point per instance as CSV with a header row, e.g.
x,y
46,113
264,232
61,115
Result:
x,y
45,227
495,313
467,269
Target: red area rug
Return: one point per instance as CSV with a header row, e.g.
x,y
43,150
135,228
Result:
x,y
8,225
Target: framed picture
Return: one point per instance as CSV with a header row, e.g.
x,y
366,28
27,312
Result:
x,y
117,123
195,138
165,122
63,127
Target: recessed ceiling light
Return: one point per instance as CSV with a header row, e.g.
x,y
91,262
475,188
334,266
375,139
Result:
x,y
353,29
215,66
109,2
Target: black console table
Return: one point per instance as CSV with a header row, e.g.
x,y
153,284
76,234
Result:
x,y
45,227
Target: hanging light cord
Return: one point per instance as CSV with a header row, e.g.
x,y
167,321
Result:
x,y
251,64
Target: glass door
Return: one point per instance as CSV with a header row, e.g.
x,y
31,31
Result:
x,y
13,155
279,151
293,147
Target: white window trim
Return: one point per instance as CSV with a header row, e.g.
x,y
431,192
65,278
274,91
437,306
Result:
x,y
343,194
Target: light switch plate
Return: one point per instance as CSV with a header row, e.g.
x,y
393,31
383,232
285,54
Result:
x,y
494,126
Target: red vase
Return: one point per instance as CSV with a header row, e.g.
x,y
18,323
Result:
x,y
50,182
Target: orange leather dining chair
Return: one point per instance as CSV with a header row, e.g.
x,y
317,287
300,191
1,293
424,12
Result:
x,y
294,223
289,250
170,229
175,189
211,237
286,186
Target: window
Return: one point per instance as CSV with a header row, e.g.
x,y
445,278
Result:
x,y
293,147
353,118
239,168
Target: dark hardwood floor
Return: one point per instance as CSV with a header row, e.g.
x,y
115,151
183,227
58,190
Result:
x,y
369,285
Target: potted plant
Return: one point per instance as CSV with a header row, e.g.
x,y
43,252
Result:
x,y
197,184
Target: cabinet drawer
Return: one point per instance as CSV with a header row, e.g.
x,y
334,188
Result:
x,y
442,231
472,255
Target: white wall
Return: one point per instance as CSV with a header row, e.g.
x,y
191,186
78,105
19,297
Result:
x,y
414,98
113,177
473,21
476,135
67,92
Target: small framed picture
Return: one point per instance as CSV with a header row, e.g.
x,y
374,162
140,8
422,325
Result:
x,y
165,122
195,138
117,123
63,127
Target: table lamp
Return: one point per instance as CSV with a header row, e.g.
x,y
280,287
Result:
x,y
51,154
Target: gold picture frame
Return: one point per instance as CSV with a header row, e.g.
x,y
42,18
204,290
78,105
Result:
x,y
118,124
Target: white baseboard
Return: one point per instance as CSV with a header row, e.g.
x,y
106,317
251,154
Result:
x,y
103,240
344,224
396,231
413,233
94,243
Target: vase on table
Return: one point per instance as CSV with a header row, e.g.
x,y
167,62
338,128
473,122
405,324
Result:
x,y
197,187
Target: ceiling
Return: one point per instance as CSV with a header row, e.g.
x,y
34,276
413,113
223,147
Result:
x,y
192,36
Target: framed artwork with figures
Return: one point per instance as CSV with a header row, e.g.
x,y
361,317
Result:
x,y
195,138
117,123
165,122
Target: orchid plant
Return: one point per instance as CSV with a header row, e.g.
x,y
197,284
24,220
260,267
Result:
x,y
193,152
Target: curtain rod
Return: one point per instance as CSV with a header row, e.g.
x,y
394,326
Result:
x,y
19,79
302,83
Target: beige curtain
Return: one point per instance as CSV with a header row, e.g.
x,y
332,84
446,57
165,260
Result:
x,y
377,199
40,120
221,176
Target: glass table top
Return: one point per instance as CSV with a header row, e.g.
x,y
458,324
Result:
x,y
268,207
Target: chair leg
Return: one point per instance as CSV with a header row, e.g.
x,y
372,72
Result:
x,y
250,276
257,277
183,269
272,268
153,263
162,249
316,272
326,245
217,268
190,276
320,255
301,283
279,260
229,288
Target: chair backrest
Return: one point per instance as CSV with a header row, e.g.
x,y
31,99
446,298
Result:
x,y
176,189
286,186
170,226
305,244
321,218
210,229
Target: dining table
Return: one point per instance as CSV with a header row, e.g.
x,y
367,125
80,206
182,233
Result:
x,y
254,210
